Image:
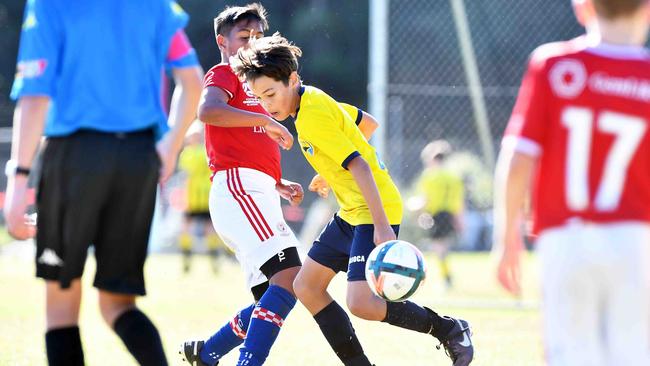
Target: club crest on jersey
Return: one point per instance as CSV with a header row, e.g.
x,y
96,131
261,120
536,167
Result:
x,y
307,147
282,228
568,78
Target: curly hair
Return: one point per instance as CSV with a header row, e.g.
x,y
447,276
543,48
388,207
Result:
x,y
272,56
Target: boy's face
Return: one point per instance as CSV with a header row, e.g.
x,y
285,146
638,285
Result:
x,y
239,36
278,99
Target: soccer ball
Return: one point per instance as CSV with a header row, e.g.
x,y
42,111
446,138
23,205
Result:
x,y
395,270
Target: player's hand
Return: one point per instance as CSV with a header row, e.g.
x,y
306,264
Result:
x,y
383,233
279,134
509,267
290,191
319,185
19,224
168,156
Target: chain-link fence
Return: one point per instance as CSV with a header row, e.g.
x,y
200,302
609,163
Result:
x,y
428,94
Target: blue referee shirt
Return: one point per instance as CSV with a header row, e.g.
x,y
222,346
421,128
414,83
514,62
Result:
x,y
100,61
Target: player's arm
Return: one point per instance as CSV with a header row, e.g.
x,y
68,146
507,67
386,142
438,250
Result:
x,y
182,112
29,122
215,110
512,182
362,174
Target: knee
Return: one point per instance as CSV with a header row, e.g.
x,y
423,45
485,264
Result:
x,y
112,306
360,308
301,288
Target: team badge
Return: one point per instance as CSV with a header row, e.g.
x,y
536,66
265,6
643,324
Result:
x,y
307,147
568,78
282,228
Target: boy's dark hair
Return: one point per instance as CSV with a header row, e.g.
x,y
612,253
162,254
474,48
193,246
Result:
x,y
273,56
231,15
611,9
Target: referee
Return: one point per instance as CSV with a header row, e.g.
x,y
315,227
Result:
x,y
89,80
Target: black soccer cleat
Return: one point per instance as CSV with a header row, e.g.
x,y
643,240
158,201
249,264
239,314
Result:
x,y
458,343
190,351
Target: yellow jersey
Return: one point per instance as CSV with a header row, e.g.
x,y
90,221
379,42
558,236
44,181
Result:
x,y
329,140
193,162
442,189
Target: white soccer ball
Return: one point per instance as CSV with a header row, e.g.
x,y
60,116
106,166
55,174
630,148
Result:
x,y
395,270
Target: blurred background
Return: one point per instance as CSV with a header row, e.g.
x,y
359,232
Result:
x,y
428,70
443,74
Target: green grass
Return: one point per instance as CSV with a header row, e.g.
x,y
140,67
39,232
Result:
x,y
506,332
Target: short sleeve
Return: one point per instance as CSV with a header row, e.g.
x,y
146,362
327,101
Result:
x,y
221,76
181,54
527,126
355,113
39,52
173,19
328,137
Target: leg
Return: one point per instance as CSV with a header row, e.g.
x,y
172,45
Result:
x,y
121,246
62,339
452,333
138,333
229,336
311,288
571,292
185,243
627,314
212,242
271,311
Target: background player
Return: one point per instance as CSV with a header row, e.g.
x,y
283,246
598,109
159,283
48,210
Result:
x,y
371,207
245,196
100,164
196,219
441,198
578,137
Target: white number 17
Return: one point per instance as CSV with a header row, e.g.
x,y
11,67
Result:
x,y
628,132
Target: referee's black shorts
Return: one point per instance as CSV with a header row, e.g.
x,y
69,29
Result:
x,y
97,189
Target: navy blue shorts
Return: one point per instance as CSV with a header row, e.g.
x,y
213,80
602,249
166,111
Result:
x,y
344,247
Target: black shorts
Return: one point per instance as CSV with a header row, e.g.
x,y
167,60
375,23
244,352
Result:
x,y
344,248
198,215
97,189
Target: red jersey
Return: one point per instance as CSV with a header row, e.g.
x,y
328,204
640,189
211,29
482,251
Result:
x,y
584,109
243,147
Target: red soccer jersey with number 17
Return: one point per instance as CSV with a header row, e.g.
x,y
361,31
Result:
x,y
584,110
239,147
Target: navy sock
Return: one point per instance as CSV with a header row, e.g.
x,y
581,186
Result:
x,y
267,319
410,315
231,335
64,347
335,325
140,337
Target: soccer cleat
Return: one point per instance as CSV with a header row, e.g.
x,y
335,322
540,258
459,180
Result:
x,y
458,343
190,351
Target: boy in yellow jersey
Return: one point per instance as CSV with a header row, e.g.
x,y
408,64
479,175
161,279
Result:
x,y
370,213
192,163
442,196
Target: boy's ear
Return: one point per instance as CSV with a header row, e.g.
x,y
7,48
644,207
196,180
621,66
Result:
x,y
294,79
221,42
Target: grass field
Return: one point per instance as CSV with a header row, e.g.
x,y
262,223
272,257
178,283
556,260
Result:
x,y
506,332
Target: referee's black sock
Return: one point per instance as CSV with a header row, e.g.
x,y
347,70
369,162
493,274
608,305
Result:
x,y
141,338
337,329
64,347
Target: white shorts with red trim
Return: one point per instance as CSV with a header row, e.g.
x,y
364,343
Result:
x,y
246,213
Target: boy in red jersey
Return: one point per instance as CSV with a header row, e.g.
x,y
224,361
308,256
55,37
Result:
x,y
242,145
578,137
